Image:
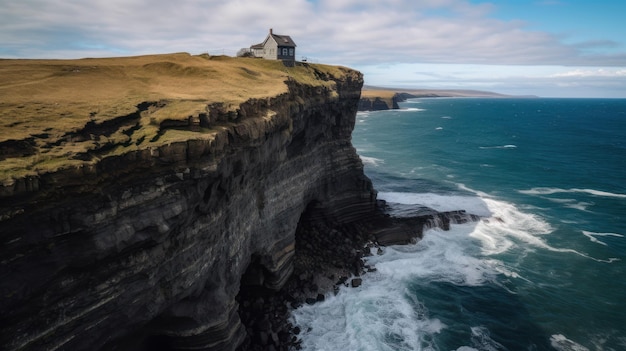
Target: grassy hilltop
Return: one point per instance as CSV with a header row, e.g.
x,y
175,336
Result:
x,y
44,104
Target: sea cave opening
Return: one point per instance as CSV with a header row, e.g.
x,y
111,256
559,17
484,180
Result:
x,y
326,254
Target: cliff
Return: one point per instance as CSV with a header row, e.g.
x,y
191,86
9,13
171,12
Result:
x,y
136,193
377,98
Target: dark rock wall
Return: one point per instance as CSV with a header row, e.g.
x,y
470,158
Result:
x,y
379,104
151,246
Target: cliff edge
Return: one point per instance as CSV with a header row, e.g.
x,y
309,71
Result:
x,y
136,192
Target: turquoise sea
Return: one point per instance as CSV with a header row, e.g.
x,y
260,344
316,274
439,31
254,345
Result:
x,y
545,269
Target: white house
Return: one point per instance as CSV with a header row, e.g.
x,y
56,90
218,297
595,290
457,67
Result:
x,y
276,47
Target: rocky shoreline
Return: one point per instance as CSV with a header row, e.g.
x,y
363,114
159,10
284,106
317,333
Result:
x,y
327,256
322,263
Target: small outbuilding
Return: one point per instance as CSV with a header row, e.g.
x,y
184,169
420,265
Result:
x,y
276,47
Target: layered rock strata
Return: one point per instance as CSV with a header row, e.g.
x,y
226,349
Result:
x,y
149,247
380,103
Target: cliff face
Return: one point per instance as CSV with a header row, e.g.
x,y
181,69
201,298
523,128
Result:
x,y
377,104
155,241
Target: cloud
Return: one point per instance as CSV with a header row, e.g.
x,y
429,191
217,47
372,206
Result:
x,y
592,73
547,81
345,32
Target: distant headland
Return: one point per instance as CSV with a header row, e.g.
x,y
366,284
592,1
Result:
x,y
383,98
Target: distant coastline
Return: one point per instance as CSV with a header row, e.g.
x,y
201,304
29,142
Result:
x,y
378,98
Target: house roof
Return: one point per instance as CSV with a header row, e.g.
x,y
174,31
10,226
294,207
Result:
x,y
283,40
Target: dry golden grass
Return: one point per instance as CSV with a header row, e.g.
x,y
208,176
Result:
x,y
43,101
373,94
382,94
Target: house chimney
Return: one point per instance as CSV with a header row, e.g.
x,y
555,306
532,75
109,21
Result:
x,y
271,31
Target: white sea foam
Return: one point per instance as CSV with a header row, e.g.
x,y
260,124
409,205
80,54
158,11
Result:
x,y
571,203
481,338
439,128
471,204
503,227
376,316
550,191
371,160
381,315
411,109
592,236
508,227
510,146
582,206
441,256
512,225
446,117
561,343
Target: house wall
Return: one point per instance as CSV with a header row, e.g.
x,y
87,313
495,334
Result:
x,y
258,52
271,50
286,53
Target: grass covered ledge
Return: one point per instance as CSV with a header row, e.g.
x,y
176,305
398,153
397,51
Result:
x,y
50,109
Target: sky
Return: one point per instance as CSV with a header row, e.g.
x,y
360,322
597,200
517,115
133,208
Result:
x,y
548,48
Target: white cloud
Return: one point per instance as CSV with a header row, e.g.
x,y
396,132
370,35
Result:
x,y
591,73
434,43
548,81
337,31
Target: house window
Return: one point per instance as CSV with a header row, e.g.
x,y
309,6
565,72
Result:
x,y
290,52
285,51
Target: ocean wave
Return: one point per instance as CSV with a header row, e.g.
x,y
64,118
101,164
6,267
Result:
x,y
441,256
571,203
446,117
550,191
581,206
481,338
411,109
371,160
378,315
471,204
509,146
512,224
593,239
508,227
439,128
503,226
561,343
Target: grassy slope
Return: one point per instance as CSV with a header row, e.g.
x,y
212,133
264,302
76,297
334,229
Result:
x,y
43,101
372,94
384,95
